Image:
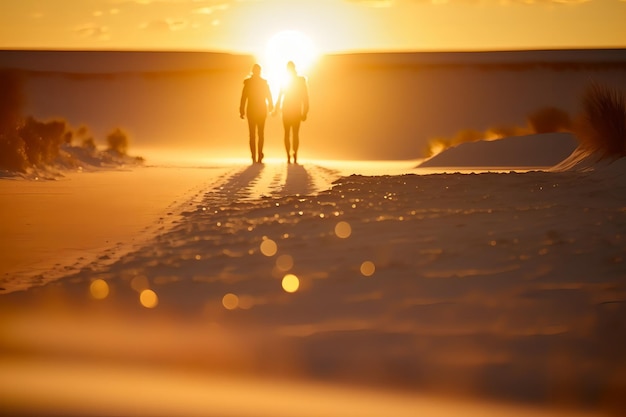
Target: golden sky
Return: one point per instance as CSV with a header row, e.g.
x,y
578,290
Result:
x,y
333,25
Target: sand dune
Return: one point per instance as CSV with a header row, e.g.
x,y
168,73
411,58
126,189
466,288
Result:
x,y
542,150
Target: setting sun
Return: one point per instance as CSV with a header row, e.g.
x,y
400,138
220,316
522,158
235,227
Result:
x,y
282,47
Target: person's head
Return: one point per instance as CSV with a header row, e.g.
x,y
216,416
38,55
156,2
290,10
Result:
x,y
291,68
256,69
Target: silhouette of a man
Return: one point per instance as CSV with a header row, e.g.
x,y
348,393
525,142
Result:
x,y
256,94
293,100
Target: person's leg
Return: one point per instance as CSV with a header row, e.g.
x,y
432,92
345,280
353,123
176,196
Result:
x,y
261,129
296,140
287,126
251,129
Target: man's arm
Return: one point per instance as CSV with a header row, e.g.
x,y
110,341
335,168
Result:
x,y
268,97
305,99
242,102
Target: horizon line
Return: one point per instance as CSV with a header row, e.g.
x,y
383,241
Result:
x,y
356,51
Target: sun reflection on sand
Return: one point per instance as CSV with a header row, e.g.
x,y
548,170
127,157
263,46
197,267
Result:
x,y
268,247
230,301
99,289
343,230
368,268
148,299
290,283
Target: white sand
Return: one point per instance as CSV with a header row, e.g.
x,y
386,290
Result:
x,y
538,150
505,288
51,228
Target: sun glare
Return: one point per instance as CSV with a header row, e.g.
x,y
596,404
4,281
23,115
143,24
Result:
x,y
285,46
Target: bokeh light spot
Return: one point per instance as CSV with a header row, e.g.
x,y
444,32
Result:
x,y
291,283
368,268
343,230
268,247
139,283
230,301
148,299
99,289
284,263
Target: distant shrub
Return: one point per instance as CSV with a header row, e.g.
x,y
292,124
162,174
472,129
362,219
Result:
x,y
82,132
33,143
468,135
85,138
117,142
545,120
12,152
68,137
88,144
602,125
440,144
549,119
436,146
42,140
498,132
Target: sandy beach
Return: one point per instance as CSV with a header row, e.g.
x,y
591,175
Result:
x,y
51,227
493,293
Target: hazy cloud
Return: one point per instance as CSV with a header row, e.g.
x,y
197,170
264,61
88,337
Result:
x,y
101,13
211,9
155,26
94,31
177,24
165,25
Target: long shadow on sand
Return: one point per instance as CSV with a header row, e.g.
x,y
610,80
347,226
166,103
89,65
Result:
x,y
239,185
297,182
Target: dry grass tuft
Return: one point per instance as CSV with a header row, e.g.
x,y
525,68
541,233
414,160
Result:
x,y
601,127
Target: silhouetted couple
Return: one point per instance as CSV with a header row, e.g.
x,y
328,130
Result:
x,y
293,101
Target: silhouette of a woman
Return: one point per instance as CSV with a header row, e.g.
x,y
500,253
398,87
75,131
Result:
x,y
256,94
293,100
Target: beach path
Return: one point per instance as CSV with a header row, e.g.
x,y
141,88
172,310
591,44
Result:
x,y
50,229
